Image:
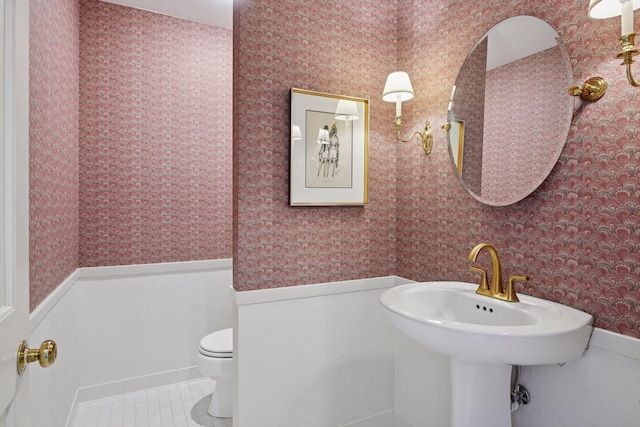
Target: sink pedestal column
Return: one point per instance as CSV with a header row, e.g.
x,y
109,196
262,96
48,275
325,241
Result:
x,y
480,394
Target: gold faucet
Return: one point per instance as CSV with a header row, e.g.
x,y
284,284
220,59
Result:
x,y
495,291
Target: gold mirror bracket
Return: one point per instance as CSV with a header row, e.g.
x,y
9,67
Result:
x,y
45,355
592,90
446,126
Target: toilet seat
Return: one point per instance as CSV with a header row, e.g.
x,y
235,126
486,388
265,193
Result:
x,y
218,344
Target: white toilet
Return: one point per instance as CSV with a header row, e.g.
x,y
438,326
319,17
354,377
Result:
x,y
215,360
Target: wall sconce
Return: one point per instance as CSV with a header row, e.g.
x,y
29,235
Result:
x,y
600,9
398,89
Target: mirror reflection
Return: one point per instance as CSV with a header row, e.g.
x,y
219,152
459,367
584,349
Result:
x,y
509,111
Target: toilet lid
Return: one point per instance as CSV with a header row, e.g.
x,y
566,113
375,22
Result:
x,y
218,344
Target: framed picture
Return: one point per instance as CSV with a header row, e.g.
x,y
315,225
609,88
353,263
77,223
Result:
x,y
329,144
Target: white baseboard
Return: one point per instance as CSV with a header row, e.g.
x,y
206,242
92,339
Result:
x,y
130,385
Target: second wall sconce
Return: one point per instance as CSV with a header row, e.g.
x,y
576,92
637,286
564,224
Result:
x,y
600,9
398,89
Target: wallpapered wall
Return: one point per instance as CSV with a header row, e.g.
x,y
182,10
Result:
x,y
343,47
471,87
578,235
155,137
53,151
130,131
529,94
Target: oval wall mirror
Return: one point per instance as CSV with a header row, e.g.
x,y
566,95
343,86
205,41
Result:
x,y
509,112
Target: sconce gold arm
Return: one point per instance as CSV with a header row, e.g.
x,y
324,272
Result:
x,y
627,54
627,62
425,138
592,90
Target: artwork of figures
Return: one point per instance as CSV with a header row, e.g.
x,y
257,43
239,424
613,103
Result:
x,y
329,142
325,150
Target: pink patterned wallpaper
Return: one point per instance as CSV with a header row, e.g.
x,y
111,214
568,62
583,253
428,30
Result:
x,y
53,152
471,87
130,151
578,235
155,137
535,90
344,47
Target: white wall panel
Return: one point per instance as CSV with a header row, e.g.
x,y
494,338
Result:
x,y
317,355
422,384
136,326
114,324
315,360
600,389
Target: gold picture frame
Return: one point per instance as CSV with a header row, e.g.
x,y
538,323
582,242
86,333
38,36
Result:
x,y
329,149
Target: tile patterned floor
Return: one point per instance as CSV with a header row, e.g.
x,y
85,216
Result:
x,y
179,405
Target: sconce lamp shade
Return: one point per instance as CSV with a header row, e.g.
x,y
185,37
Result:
x,y
347,110
323,136
600,9
398,87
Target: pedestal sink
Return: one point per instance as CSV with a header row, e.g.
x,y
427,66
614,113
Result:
x,y
484,337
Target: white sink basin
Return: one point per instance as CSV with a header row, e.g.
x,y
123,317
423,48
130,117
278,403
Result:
x,y
451,319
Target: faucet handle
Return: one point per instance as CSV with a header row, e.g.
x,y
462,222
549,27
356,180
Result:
x,y
511,290
484,286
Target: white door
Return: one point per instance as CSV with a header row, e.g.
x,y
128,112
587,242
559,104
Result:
x,y
14,198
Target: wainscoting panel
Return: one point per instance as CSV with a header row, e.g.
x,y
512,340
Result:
x,y
600,389
313,356
140,325
122,328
